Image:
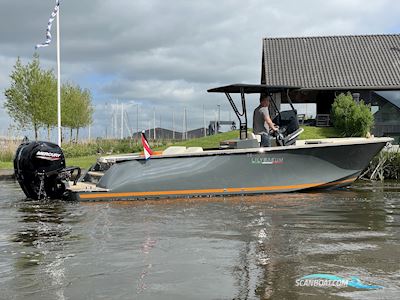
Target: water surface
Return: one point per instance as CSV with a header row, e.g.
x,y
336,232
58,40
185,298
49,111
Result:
x,y
212,248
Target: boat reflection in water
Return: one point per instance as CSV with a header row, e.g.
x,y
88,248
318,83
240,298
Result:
x,y
39,247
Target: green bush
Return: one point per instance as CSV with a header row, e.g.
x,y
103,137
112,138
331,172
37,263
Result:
x,y
351,118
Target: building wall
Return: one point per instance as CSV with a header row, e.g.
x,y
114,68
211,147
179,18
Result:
x,y
323,99
387,116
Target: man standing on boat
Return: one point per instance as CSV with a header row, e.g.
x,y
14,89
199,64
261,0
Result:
x,y
262,122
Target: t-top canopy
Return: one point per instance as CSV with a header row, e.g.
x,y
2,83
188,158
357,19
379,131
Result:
x,y
251,88
241,88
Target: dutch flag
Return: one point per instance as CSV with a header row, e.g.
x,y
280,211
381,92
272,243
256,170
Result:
x,y
146,147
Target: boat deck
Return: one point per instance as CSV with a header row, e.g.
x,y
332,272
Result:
x,y
178,151
85,186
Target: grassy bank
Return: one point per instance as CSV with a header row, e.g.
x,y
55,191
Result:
x,y
311,132
83,161
214,140
84,154
8,165
211,141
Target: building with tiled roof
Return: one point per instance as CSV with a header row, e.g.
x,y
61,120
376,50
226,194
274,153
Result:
x,y
327,65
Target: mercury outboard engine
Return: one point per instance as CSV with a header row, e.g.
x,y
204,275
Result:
x,y
40,170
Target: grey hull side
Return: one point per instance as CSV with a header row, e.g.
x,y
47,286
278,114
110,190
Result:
x,y
242,173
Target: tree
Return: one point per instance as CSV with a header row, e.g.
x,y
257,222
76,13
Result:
x,y
49,112
30,100
68,100
76,107
351,118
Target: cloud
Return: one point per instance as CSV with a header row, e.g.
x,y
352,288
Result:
x,y
164,55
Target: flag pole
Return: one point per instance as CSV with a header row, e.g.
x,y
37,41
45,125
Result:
x,y
122,121
58,80
55,14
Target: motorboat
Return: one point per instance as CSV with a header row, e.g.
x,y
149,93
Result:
x,y
237,167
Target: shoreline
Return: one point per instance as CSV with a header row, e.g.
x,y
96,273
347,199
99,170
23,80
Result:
x,y
6,174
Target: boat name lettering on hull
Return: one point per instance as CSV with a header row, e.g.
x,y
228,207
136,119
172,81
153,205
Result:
x,y
266,160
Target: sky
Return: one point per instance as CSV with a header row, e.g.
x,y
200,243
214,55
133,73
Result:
x,y
162,55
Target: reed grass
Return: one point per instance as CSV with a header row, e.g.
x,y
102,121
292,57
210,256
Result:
x,y
8,147
385,165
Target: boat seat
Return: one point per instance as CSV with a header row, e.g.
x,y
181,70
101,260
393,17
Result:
x,y
194,150
174,150
255,136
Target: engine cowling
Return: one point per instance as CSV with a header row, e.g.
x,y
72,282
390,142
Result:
x,y
38,166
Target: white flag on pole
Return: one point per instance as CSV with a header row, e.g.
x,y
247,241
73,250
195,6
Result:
x,y
48,34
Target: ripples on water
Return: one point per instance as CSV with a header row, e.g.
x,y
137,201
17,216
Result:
x,y
232,248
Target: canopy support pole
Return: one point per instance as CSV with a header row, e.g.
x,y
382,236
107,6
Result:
x,y
242,123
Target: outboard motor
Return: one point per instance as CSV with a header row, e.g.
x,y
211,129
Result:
x,y
287,120
40,170
289,128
